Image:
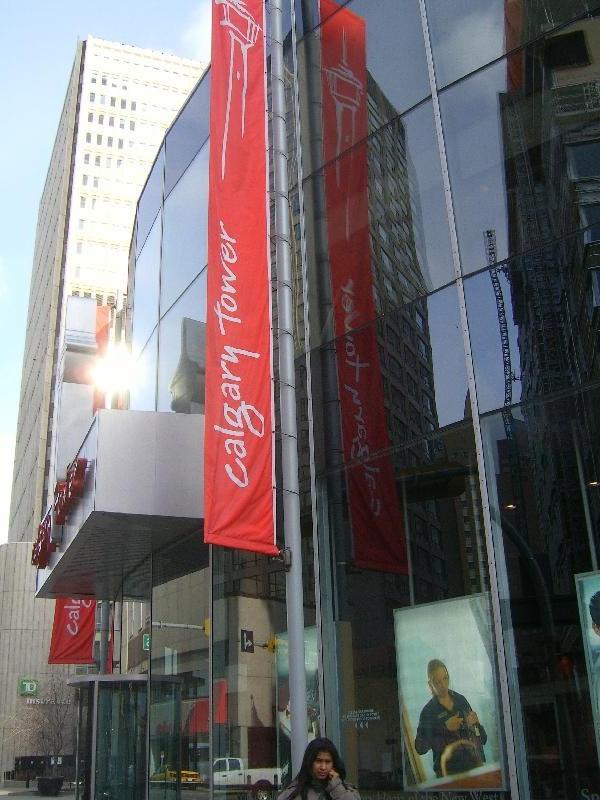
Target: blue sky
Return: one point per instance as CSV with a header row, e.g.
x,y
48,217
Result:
x,y
37,46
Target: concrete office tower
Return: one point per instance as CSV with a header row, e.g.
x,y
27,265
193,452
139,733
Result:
x,y
25,625
119,102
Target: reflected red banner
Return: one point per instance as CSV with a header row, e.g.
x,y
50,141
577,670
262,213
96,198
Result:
x,y
513,37
197,721
73,632
238,458
376,518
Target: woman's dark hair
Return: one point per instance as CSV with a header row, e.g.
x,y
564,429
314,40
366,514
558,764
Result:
x,y
304,777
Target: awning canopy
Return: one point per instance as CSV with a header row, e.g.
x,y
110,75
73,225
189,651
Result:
x,y
143,490
197,721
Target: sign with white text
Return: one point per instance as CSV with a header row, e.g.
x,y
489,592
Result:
x,y
238,455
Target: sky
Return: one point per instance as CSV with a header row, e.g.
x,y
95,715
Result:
x,y
37,48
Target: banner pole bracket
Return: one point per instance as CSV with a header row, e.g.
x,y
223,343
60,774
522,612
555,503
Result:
x,y
285,556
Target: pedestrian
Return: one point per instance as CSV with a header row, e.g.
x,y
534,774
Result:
x,y
322,775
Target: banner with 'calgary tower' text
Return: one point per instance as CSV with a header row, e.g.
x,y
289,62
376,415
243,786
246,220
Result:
x,y
238,459
73,632
378,540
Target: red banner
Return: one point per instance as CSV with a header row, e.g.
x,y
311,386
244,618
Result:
x,y
376,519
238,459
73,632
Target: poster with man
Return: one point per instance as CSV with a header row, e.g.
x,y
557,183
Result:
x,y
588,597
284,721
448,694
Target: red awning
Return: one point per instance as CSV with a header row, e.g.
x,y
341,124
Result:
x,y
197,721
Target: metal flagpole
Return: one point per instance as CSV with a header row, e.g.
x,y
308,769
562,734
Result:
x,y
287,378
104,627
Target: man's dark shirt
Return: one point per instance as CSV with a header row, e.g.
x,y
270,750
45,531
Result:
x,y
432,733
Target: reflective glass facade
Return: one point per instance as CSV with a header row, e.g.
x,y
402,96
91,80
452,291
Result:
x,y
482,217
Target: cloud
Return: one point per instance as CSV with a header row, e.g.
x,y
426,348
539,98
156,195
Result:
x,y
7,451
470,40
196,36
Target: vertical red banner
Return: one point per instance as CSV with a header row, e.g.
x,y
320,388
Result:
x,y
73,632
376,518
238,460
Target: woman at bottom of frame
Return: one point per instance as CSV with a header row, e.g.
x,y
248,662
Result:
x,y
322,775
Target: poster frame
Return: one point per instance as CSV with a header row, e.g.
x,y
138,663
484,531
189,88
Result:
x,y
468,779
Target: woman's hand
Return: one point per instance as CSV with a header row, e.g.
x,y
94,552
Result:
x,y
333,774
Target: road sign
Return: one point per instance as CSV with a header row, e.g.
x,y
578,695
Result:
x,y
247,641
146,641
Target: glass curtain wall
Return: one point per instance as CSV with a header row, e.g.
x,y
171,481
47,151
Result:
x,y
179,669
444,205
460,592
169,622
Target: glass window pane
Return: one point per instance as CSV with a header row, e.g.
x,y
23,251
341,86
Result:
x,y
473,131
250,617
121,742
150,200
409,234
415,196
467,34
522,159
184,231
145,287
542,484
530,323
142,394
188,133
181,367
434,640
417,388
179,646
586,159
393,47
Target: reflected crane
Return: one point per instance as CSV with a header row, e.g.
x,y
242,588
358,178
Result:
x,y
489,239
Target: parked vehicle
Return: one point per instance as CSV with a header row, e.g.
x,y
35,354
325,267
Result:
x,y
233,772
187,777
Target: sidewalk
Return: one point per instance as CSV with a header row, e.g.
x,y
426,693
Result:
x,y
31,793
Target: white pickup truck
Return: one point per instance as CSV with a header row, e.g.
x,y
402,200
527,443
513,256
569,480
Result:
x,y
233,772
